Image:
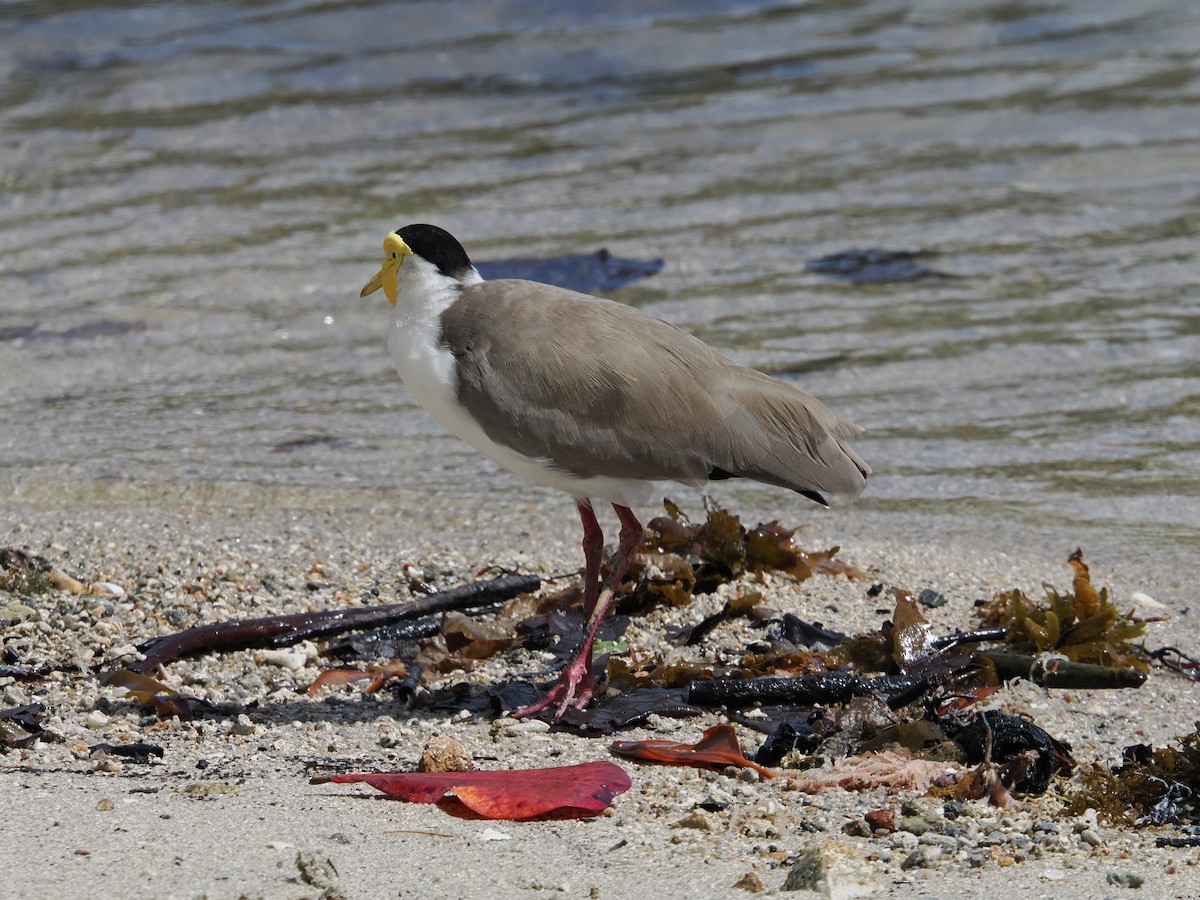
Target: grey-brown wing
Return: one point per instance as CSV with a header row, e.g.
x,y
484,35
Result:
x,y
600,388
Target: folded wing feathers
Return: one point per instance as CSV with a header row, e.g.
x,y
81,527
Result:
x,y
665,406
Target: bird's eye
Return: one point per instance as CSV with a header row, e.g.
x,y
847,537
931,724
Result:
x,y
393,255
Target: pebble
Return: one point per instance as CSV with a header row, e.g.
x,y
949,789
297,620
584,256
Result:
x,y
96,720
882,819
834,869
445,754
903,840
1090,837
516,727
695,819
943,842
922,858
1125,878
931,598
318,870
15,612
750,882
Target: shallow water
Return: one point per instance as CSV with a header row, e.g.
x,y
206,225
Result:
x,y
193,194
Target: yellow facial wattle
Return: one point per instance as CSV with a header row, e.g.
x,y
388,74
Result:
x,y
394,251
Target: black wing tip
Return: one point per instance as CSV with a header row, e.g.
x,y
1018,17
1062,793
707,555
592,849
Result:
x,y
719,474
814,496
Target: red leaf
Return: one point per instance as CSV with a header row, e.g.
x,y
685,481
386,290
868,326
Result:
x,y
718,747
566,792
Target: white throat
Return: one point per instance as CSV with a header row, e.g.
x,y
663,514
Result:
x,y
425,366
424,293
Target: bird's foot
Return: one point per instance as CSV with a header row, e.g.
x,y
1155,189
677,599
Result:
x,y
575,687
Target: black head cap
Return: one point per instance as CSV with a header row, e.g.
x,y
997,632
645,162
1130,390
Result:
x,y
438,246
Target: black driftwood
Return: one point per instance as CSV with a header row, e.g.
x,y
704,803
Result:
x,y
283,631
808,690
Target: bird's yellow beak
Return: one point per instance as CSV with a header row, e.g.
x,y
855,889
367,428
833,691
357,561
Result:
x,y
394,251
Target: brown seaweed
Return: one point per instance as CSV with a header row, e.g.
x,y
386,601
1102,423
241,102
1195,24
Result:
x,y
1150,787
1083,626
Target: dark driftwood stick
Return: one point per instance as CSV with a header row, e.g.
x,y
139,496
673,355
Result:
x,y
808,690
283,631
1064,674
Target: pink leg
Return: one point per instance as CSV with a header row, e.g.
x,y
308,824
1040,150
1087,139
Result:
x,y
576,685
593,547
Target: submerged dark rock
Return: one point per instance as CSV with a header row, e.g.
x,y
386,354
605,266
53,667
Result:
x,y
584,272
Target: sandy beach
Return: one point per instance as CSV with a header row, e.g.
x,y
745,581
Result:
x,y
227,811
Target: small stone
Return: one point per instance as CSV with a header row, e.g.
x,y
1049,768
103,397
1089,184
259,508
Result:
x,y
881,819
391,737
917,825
518,727
695,819
65,582
96,720
1139,598
106,589
104,805
943,842
491,834
750,882
759,827
833,869
931,598
1125,879
16,612
922,858
317,869
925,807
903,840
1091,837
208,790
242,726
445,754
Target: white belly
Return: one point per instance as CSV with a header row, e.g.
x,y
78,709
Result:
x,y
428,372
